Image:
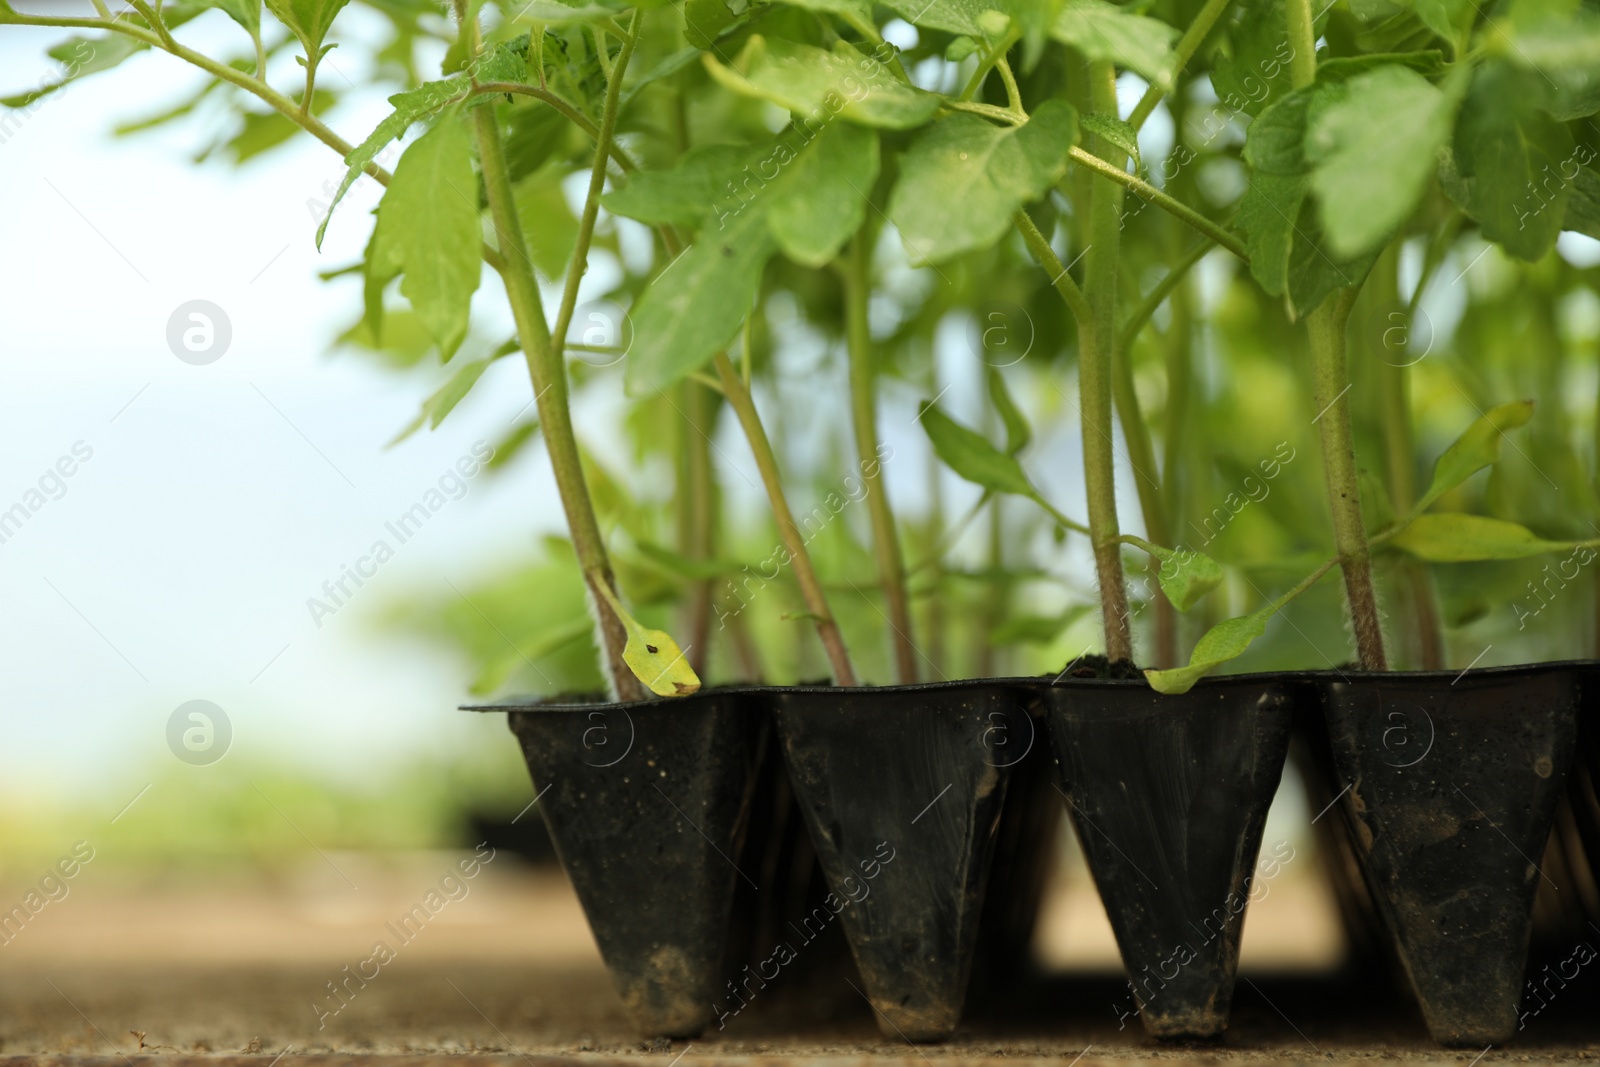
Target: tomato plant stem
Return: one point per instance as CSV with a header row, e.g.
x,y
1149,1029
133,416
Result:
x,y
1096,353
793,542
1146,191
597,183
1149,478
697,511
864,416
550,393
1303,39
1325,327
1146,477
1184,51
1326,330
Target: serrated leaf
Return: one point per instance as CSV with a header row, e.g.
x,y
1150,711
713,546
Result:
x,y
972,457
1455,538
680,195
803,194
1475,449
820,85
963,179
823,199
1018,432
410,107
1254,71
1505,146
1104,31
1373,151
1289,254
429,230
308,20
1583,206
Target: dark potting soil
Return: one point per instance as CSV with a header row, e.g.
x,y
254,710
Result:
x,y
1097,666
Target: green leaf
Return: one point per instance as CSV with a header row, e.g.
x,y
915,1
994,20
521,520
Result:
x,y
444,400
1474,450
679,565
1454,538
951,16
804,193
820,86
1443,17
972,457
1289,254
1373,151
706,20
547,221
428,229
1557,43
856,13
823,194
680,195
694,307
1254,71
1505,147
963,179
1185,576
559,13
511,445
1114,132
1583,206
1103,31
247,13
410,107
308,20
79,57
1018,432
1035,629
1223,642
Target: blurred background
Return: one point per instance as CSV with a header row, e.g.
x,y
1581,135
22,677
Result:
x,y
224,489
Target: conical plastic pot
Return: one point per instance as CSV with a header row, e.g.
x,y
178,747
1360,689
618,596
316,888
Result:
x,y
1448,785
1169,795
647,805
1025,853
902,789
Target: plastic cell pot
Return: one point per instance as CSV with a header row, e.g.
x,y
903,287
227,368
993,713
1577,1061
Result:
x,y
647,805
902,788
1448,786
1169,796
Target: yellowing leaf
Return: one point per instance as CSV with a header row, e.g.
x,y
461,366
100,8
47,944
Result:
x,y
652,655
